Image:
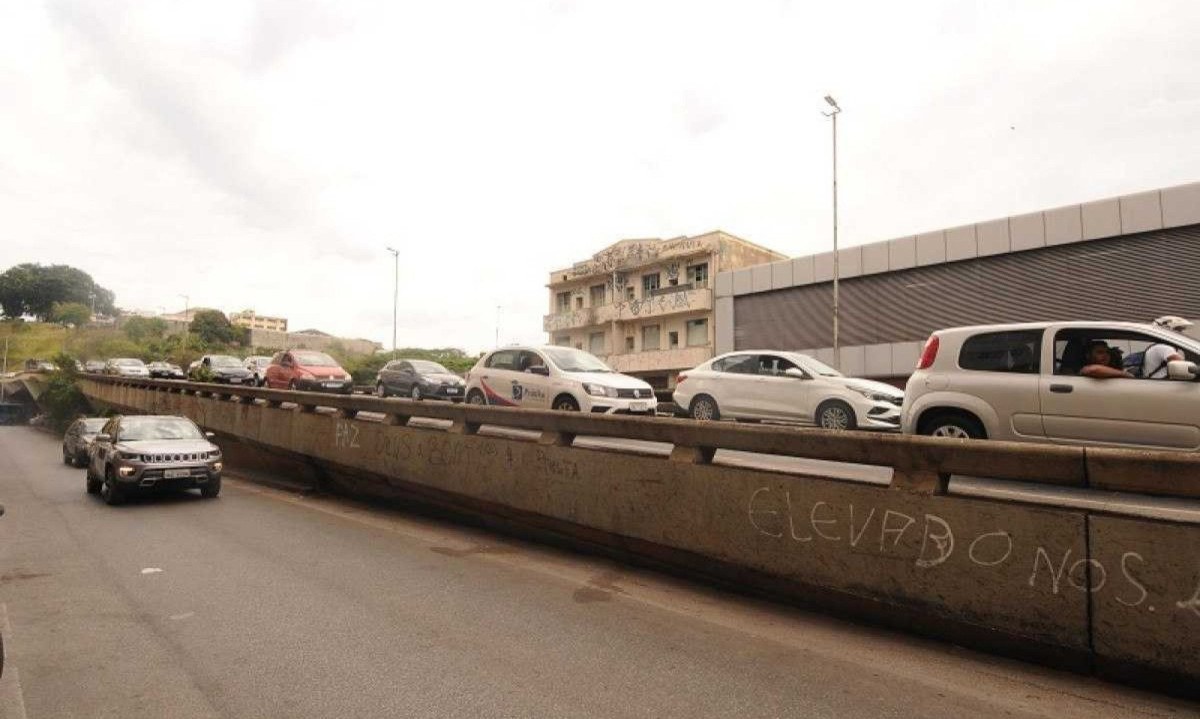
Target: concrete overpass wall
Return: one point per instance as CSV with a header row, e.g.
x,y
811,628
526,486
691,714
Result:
x,y
1086,590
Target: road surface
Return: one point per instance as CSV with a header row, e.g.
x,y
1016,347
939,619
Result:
x,y
265,603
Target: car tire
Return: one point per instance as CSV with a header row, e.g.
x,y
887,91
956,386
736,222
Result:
x,y
93,484
112,493
704,409
566,403
415,393
380,390
836,415
476,397
292,386
67,458
952,425
211,488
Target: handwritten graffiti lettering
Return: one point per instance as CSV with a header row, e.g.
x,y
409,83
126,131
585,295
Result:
x,y
939,539
1193,604
977,553
1131,579
345,434
895,532
1091,575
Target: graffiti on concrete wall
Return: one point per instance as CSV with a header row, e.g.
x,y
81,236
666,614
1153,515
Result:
x,y
624,255
776,514
650,306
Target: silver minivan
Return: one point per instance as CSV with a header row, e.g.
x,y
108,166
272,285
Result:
x,y
1023,382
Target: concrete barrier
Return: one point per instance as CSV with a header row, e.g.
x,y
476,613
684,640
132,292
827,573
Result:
x,y
1076,589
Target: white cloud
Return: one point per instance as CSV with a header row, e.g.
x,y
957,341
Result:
x,y
263,154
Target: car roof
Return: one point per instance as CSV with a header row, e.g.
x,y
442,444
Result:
x,y
1082,324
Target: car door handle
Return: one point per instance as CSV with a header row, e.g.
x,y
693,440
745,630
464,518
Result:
x,y
1062,388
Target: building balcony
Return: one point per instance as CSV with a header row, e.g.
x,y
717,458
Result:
x,y
665,301
660,360
563,321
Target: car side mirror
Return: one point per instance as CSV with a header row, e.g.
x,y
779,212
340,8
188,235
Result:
x,y
540,369
1182,370
103,437
795,373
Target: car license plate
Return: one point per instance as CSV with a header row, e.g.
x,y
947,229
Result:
x,y
451,390
637,406
235,380
333,384
177,473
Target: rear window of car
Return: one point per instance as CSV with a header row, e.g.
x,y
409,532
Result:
x,y
1017,351
737,364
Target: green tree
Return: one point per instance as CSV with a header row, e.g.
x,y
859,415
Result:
x,y
213,328
62,399
70,313
142,329
33,289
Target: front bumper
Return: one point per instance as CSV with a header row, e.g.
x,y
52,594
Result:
x,y
879,415
611,405
450,393
169,475
335,386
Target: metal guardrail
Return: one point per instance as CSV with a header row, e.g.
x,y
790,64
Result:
x,y
920,464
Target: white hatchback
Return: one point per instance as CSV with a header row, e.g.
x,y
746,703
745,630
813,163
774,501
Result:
x,y
559,378
1035,383
786,386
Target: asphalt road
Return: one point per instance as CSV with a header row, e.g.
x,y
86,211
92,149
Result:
x,y
264,603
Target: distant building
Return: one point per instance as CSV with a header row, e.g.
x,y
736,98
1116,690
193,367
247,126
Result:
x,y
646,306
255,321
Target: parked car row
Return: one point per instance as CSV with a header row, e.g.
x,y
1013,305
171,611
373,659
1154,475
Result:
x,y
125,455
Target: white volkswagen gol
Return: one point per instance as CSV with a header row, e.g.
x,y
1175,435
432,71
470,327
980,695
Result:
x,y
764,384
556,378
1024,382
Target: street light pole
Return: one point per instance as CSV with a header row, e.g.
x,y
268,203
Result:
x,y
187,322
497,325
837,354
395,296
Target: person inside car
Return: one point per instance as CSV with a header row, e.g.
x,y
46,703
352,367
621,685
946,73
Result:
x,y
1156,357
1100,362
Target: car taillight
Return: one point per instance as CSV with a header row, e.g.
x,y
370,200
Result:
x,y
679,379
929,354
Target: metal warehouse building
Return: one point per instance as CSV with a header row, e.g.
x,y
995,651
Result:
x,y
1129,258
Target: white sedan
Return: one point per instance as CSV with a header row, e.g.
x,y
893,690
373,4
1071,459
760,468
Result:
x,y
785,386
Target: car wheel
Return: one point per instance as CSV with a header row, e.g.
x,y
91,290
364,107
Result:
x,y
292,385
953,426
380,390
211,488
566,403
476,397
93,484
415,393
111,492
704,408
67,460
836,415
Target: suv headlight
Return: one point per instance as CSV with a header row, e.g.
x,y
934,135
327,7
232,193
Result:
x,y
870,393
599,390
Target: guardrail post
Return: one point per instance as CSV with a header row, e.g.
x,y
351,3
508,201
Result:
x,y
461,426
554,438
396,420
693,455
305,408
919,481
347,413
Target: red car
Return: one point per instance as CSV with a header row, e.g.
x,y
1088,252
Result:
x,y
307,371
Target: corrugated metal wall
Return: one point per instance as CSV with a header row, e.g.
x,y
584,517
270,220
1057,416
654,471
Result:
x,y
1130,278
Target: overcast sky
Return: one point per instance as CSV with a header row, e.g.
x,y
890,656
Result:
x,y
263,154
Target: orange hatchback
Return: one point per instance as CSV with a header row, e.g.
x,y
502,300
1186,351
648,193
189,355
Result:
x,y
307,371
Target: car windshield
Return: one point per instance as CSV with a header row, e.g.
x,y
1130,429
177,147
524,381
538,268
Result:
x,y
569,360
314,359
93,425
816,367
259,360
224,361
425,367
158,365
129,363
134,429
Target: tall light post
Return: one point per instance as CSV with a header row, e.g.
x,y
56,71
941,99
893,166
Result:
x,y
395,296
498,325
187,322
837,354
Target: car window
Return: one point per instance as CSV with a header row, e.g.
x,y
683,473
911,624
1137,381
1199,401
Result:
x,y
1017,351
135,429
504,359
426,367
737,364
774,365
527,360
1070,347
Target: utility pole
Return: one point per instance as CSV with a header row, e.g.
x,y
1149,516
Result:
x,y
395,296
613,347
837,354
4,371
187,322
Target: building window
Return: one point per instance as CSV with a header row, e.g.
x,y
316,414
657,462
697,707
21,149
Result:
x,y
650,338
697,333
578,302
672,340
629,292
562,301
597,295
563,340
628,344
649,284
596,343
698,275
